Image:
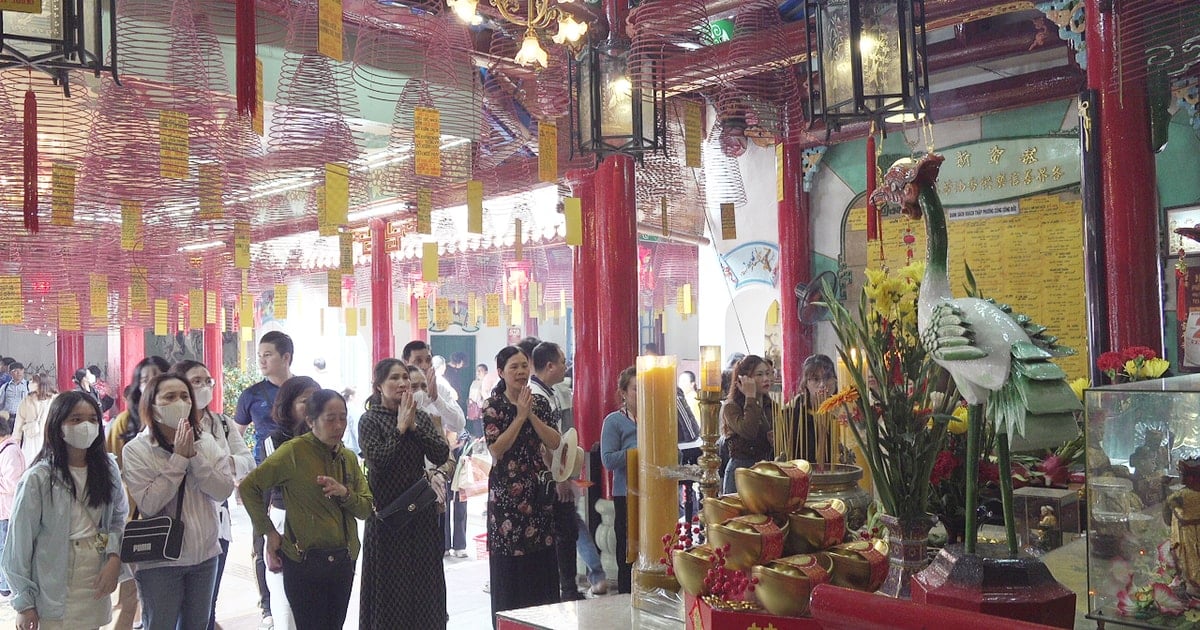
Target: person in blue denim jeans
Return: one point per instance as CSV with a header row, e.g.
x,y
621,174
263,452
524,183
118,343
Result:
x,y
12,465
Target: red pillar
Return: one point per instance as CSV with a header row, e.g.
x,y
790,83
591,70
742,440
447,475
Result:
x,y
614,286
795,266
69,353
133,349
1128,184
214,353
382,342
589,398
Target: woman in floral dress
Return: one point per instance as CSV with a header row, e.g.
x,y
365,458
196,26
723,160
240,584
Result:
x,y
520,523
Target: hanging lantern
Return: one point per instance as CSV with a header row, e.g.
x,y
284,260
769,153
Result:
x,y
867,60
616,106
56,36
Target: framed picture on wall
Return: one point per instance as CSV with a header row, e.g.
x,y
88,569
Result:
x,y
1182,217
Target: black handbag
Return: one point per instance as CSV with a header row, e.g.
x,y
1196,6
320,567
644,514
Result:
x,y
154,539
415,500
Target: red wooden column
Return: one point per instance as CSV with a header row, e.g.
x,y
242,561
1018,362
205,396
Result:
x,y
614,285
795,266
69,354
382,341
588,403
1128,184
214,351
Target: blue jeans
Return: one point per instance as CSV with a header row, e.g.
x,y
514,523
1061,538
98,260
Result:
x,y
586,547
3,539
177,598
728,483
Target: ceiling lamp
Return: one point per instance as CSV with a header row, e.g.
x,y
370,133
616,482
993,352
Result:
x,y
56,36
539,15
616,108
867,60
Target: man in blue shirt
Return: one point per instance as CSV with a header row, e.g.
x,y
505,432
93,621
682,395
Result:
x,y
5,362
12,393
275,351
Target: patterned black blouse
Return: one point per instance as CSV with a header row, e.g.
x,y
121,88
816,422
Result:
x,y
517,523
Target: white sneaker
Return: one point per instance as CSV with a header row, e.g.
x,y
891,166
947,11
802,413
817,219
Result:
x,y
598,589
268,623
459,553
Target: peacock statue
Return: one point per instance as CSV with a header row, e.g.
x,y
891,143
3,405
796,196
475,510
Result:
x,y
1000,360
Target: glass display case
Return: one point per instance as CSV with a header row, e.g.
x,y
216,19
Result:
x,y
1143,529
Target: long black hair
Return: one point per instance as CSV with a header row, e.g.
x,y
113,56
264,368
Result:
x,y
147,409
379,374
54,449
502,358
133,395
287,426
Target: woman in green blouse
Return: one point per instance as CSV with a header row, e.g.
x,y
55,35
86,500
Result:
x,y
325,491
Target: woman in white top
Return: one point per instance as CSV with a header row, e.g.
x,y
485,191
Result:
x,y
63,554
31,415
229,440
172,450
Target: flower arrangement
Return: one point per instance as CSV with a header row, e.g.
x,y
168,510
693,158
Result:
x,y
901,421
1135,363
1163,601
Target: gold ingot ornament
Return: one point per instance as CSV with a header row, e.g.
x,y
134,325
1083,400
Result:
x,y
816,526
773,487
861,565
722,508
752,539
692,566
784,585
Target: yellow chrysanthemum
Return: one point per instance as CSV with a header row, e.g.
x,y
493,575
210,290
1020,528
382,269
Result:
x,y
874,277
914,272
1078,385
1153,368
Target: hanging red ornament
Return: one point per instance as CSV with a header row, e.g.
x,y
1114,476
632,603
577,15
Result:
x,y
872,211
31,162
244,68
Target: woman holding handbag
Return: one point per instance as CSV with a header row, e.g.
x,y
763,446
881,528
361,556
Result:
x,y
62,557
172,468
325,492
396,438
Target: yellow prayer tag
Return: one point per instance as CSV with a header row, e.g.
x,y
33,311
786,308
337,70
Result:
x,y
518,239
424,211
517,314
334,288
573,214
256,122
422,313
362,316
131,226
427,138
492,310
161,325
337,194
475,206
441,312
429,262
139,297
329,28
210,307
196,309
325,227
12,305
62,199
728,222
246,310
351,317
346,251
211,184
241,245
173,144
98,297
547,152
693,123
687,299
21,6
281,298
68,312
472,309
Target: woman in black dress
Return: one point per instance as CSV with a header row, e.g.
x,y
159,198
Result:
x,y
403,584
520,523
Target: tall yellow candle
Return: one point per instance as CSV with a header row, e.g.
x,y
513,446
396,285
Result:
x,y
657,449
710,368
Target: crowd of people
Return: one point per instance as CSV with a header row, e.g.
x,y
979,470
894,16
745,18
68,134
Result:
x,y
70,481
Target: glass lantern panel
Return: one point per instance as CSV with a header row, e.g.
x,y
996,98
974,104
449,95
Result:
x,y
836,68
616,96
47,24
881,53
584,103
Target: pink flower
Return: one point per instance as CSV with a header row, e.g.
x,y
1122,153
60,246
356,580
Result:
x,y
1055,470
1126,604
1168,602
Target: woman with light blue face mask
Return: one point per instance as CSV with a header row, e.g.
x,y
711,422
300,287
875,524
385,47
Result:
x,y
175,452
229,440
62,556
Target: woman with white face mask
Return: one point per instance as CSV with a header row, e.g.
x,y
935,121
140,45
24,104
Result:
x,y
173,450
229,440
63,554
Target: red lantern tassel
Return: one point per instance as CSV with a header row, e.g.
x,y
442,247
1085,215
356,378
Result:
x,y
244,66
872,211
31,162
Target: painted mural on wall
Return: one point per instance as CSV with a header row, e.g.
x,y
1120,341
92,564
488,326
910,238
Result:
x,y
756,262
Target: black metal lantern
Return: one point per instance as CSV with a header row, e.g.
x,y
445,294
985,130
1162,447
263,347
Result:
x,y
867,60
56,36
617,102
